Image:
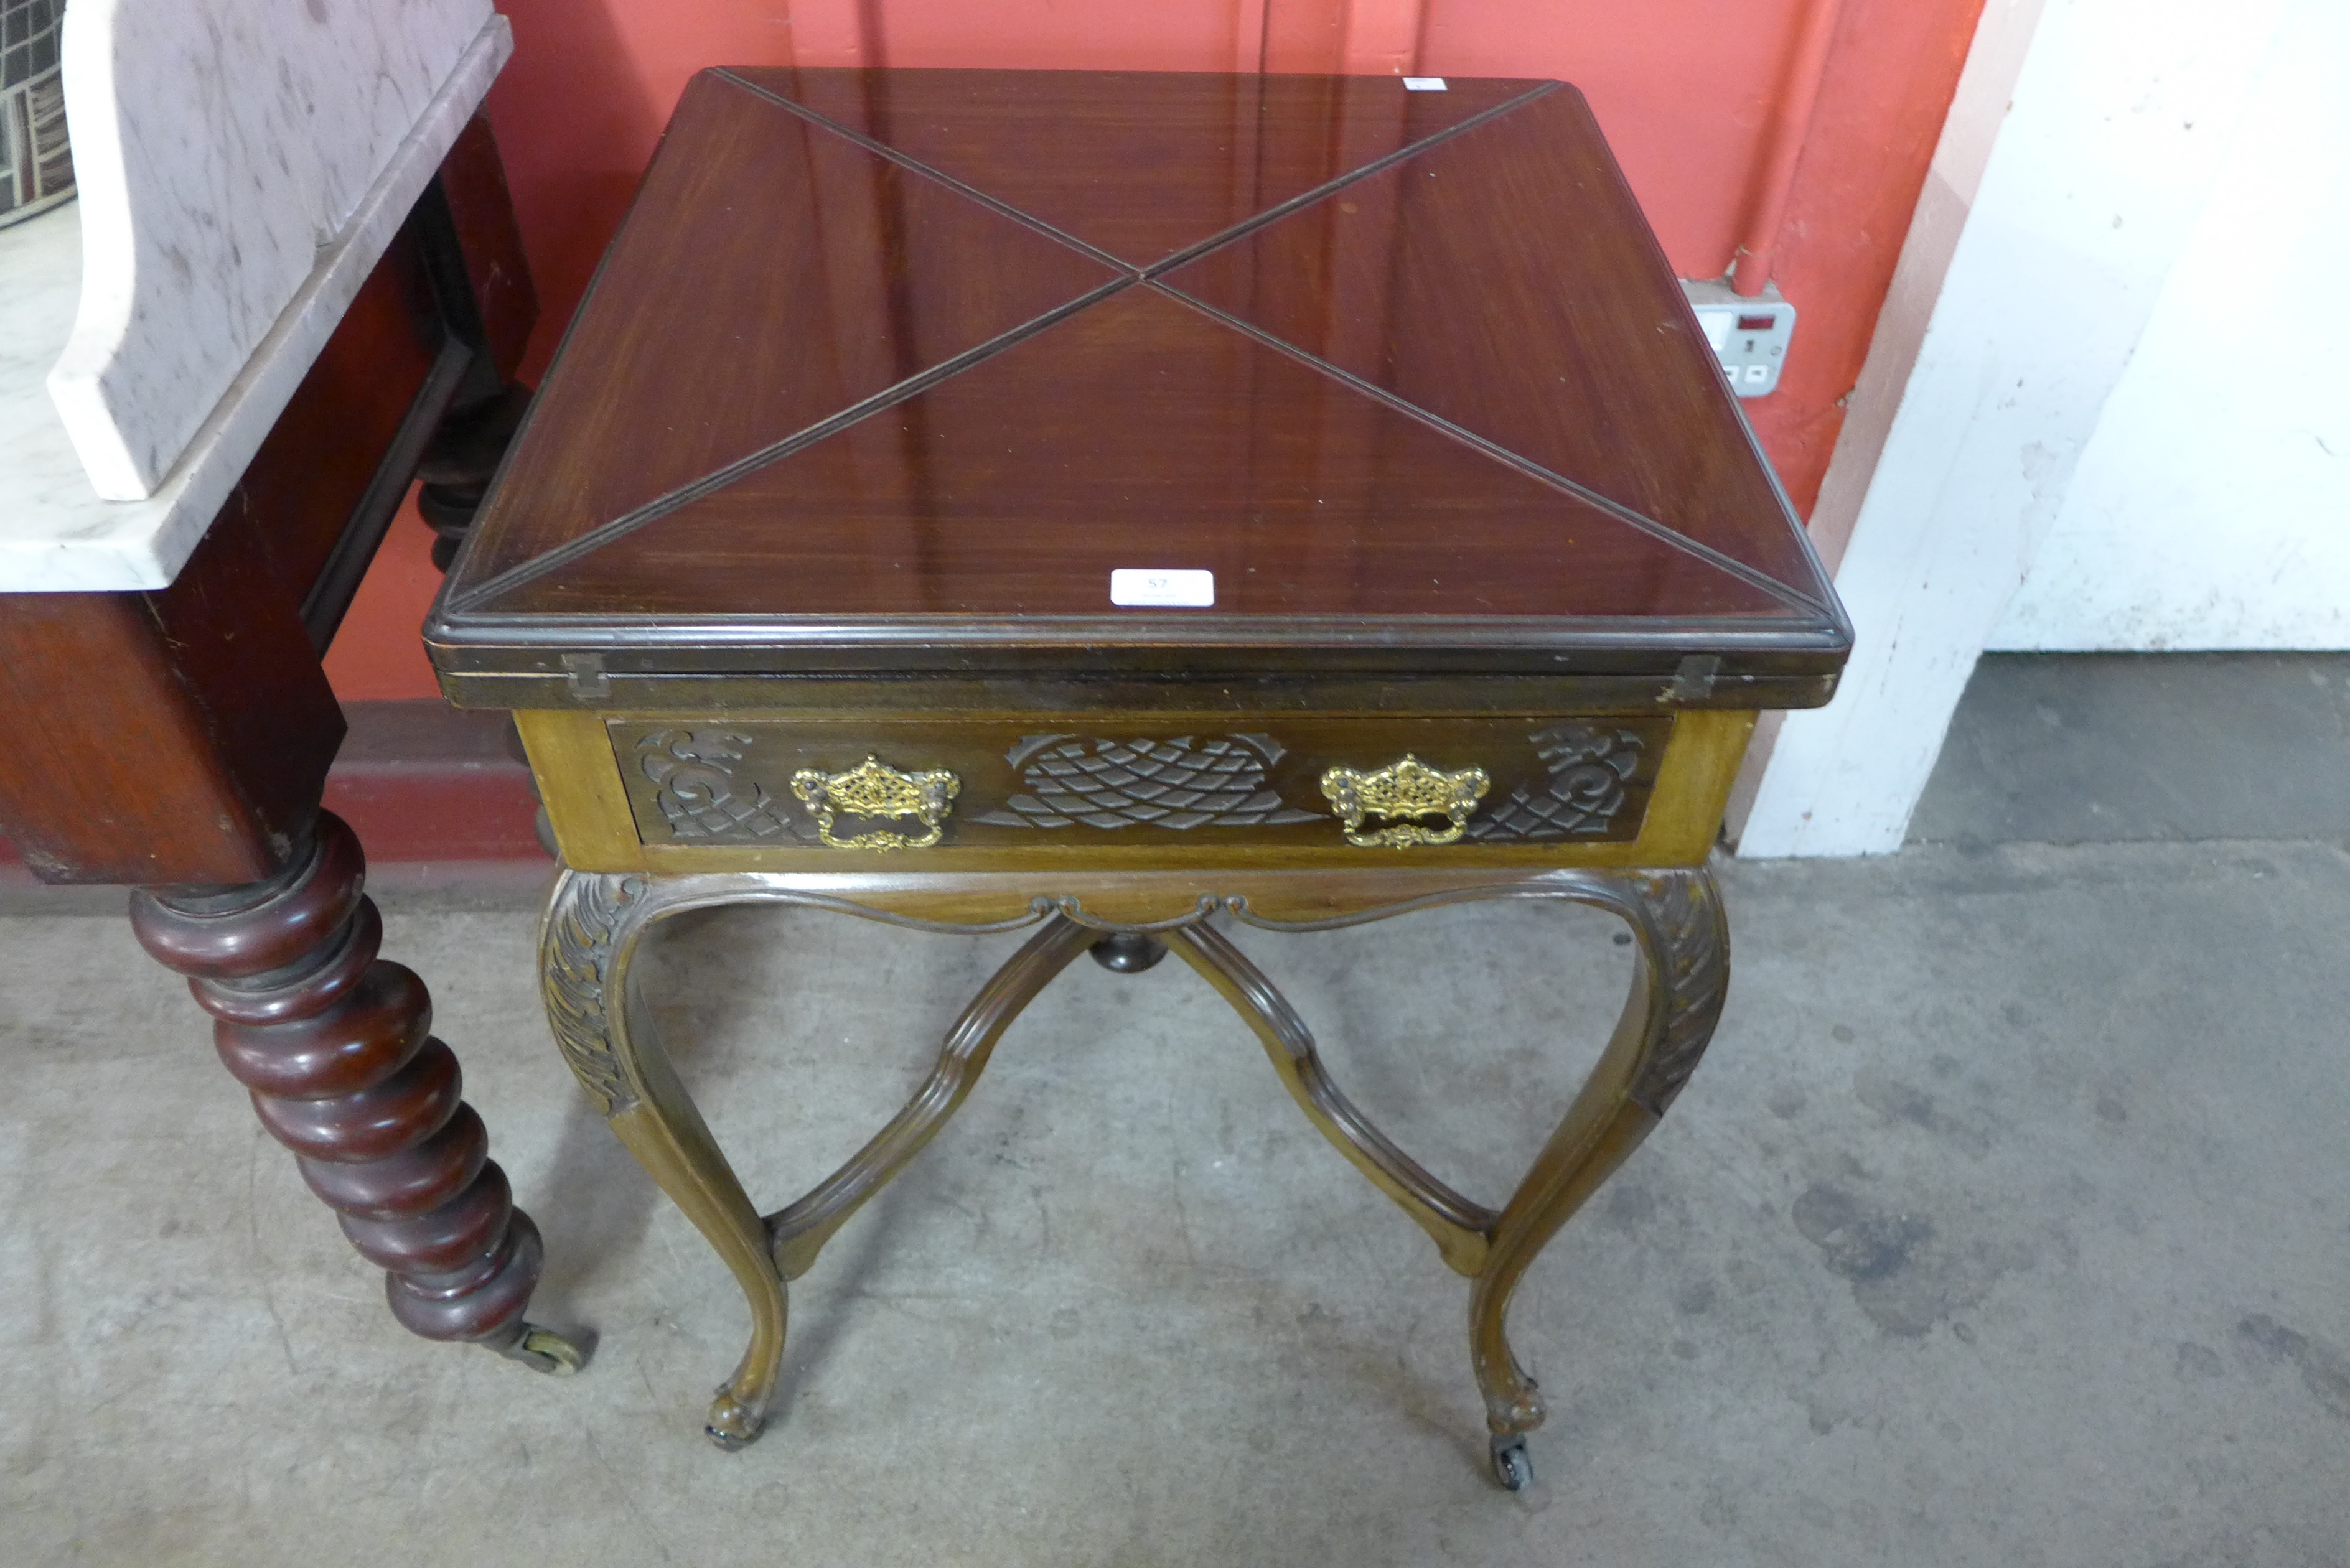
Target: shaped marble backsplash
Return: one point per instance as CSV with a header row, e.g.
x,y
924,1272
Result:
x,y
221,146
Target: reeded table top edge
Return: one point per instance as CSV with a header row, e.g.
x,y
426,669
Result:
x,y
783,634
1795,662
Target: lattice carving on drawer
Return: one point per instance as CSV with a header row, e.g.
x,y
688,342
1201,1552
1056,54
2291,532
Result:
x,y
1181,783
1589,766
701,797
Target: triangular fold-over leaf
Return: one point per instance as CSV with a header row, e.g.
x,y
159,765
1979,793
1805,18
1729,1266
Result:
x,y
776,275
1160,161
1557,334
1139,432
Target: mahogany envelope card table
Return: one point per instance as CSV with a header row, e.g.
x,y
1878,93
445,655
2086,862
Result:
x,y
1135,508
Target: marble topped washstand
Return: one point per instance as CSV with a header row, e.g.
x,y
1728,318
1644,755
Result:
x,y
138,379
291,283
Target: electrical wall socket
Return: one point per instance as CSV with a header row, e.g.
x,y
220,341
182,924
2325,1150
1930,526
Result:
x,y
1748,335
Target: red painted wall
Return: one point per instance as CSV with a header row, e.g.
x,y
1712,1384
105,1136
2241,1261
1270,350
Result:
x,y
377,651
1684,90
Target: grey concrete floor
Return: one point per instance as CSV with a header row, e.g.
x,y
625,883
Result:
x,y
2098,747
2007,1222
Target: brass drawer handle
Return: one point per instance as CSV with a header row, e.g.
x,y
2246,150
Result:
x,y
873,788
1406,788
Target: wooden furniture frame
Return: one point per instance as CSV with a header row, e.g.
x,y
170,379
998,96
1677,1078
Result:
x,y
178,741
804,578
597,920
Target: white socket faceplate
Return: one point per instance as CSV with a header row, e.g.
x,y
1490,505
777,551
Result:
x,y
1749,336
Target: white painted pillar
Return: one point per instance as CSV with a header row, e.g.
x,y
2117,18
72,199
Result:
x,y
2061,196
2212,510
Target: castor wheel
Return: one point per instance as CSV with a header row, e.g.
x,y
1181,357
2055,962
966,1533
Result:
x,y
733,1425
544,1350
1510,1465
1128,952
730,1443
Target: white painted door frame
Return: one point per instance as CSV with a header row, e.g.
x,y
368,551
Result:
x,y
2083,143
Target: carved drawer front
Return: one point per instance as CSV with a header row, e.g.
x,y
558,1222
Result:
x,y
1307,783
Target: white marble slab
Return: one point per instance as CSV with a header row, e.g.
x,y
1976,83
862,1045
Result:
x,y
40,279
219,145
57,532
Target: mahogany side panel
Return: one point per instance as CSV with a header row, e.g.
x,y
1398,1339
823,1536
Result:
x,y
473,179
317,462
183,736
174,737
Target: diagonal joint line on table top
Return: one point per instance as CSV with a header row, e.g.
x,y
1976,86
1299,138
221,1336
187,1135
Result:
x,y
915,165
719,479
1280,210
1189,253
1752,576
662,506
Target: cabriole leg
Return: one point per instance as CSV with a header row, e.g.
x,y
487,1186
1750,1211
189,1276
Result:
x,y
335,1046
592,926
1681,972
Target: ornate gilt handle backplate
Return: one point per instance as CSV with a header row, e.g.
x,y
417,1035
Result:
x,y
873,788
1406,788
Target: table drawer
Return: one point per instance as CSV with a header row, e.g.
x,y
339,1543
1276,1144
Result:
x,y
1085,783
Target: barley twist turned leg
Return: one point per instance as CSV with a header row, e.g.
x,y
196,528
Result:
x,y
335,1045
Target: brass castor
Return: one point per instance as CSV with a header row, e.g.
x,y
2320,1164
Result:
x,y
1510,1465
733,1425
544,1350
